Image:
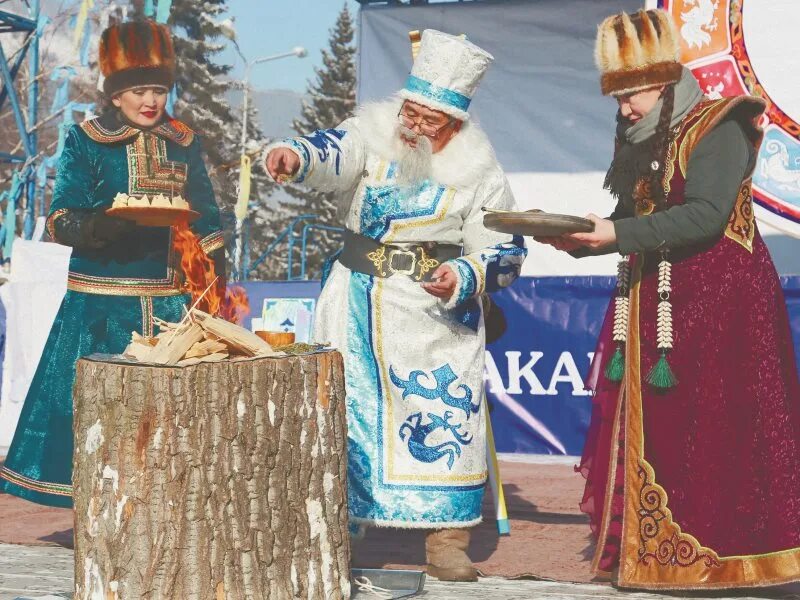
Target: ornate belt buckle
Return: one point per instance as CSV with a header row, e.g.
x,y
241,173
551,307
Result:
x,y
407,271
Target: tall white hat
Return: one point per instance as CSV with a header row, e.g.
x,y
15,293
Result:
x,y
446,73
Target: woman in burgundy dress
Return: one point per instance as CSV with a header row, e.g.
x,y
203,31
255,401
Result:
x,y
692,459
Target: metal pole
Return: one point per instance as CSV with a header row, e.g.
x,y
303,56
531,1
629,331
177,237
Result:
x,y
246,254
241,265
33,117
239,235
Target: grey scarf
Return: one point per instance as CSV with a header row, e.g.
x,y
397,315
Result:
x,y
687,95
635,151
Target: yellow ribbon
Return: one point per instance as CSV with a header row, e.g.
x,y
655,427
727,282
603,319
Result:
x,y
80,24
244,188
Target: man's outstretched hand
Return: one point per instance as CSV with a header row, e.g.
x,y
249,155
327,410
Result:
x,y
282,164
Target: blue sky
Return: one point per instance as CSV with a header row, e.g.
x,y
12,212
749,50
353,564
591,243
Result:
x,y
266,27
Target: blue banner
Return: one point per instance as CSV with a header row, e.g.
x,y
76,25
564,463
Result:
x,y
535,371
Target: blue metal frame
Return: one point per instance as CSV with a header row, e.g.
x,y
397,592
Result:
x,y
9,22
309,227
33,119
287,233
26,177
290,234
8,82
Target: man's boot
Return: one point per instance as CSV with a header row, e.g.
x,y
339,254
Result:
x,y
446,550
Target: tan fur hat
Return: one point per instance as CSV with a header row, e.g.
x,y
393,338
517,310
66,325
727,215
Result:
x,y
636,52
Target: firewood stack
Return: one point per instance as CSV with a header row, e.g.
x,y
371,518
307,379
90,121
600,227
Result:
x,y
199,337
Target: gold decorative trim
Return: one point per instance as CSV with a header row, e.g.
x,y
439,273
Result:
x,y
51,222
605,521
661,539
213,241
699,122
741,226
147,316
171,129
111,286
378,258
711,113
426,263
149,170
42,487
480,273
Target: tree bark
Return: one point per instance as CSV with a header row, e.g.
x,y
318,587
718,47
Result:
x,y
217,481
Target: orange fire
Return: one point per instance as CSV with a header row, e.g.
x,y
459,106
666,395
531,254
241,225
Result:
x,y
229,303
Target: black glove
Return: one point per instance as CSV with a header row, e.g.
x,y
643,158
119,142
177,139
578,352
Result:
x,y
88,229
110,229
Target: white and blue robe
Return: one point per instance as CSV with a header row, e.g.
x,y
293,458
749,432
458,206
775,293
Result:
x,y
413,363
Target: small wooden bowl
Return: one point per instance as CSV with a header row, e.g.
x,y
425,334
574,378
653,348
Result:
x,y
276,338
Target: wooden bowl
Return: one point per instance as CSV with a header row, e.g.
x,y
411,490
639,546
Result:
x,y
276,338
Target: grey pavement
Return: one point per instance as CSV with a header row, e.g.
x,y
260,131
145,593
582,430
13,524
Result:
x,y
45,573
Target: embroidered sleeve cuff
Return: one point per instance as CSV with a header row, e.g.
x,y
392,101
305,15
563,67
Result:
x,y
213,241
51,221
302,152
470,281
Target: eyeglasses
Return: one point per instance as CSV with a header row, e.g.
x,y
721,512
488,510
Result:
x,y
427,128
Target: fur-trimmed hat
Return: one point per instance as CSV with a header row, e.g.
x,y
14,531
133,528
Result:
x,y
135,54
636,52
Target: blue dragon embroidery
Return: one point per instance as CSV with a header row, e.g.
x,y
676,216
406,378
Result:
x,y
444,377
417,433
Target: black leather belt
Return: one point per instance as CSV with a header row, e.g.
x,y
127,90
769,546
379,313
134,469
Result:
x,y
417,260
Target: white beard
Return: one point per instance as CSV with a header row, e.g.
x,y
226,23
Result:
x,y
464,162
413,163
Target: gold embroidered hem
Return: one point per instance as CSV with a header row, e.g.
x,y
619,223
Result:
x,y
609,495
56,489
111,286
213,241
655,553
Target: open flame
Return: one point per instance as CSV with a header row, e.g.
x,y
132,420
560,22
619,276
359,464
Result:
x,y
229,303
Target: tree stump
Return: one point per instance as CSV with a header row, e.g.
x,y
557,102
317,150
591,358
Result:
x,y
222,480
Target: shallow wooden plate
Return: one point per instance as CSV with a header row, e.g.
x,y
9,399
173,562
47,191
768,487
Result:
x,y
536,223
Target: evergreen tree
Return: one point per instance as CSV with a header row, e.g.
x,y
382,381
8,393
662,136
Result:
x,y
332,97
331,100
200,33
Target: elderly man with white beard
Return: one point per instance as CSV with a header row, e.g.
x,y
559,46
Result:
x,y
403,301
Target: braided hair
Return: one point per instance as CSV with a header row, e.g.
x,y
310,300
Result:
x,y
660,147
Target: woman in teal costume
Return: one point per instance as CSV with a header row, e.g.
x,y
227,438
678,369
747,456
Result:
x,y
120,274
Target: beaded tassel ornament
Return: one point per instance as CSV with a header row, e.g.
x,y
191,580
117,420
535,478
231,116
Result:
x,y
615,369
661,375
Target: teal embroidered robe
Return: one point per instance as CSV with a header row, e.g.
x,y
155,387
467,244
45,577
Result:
x,y
112,290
